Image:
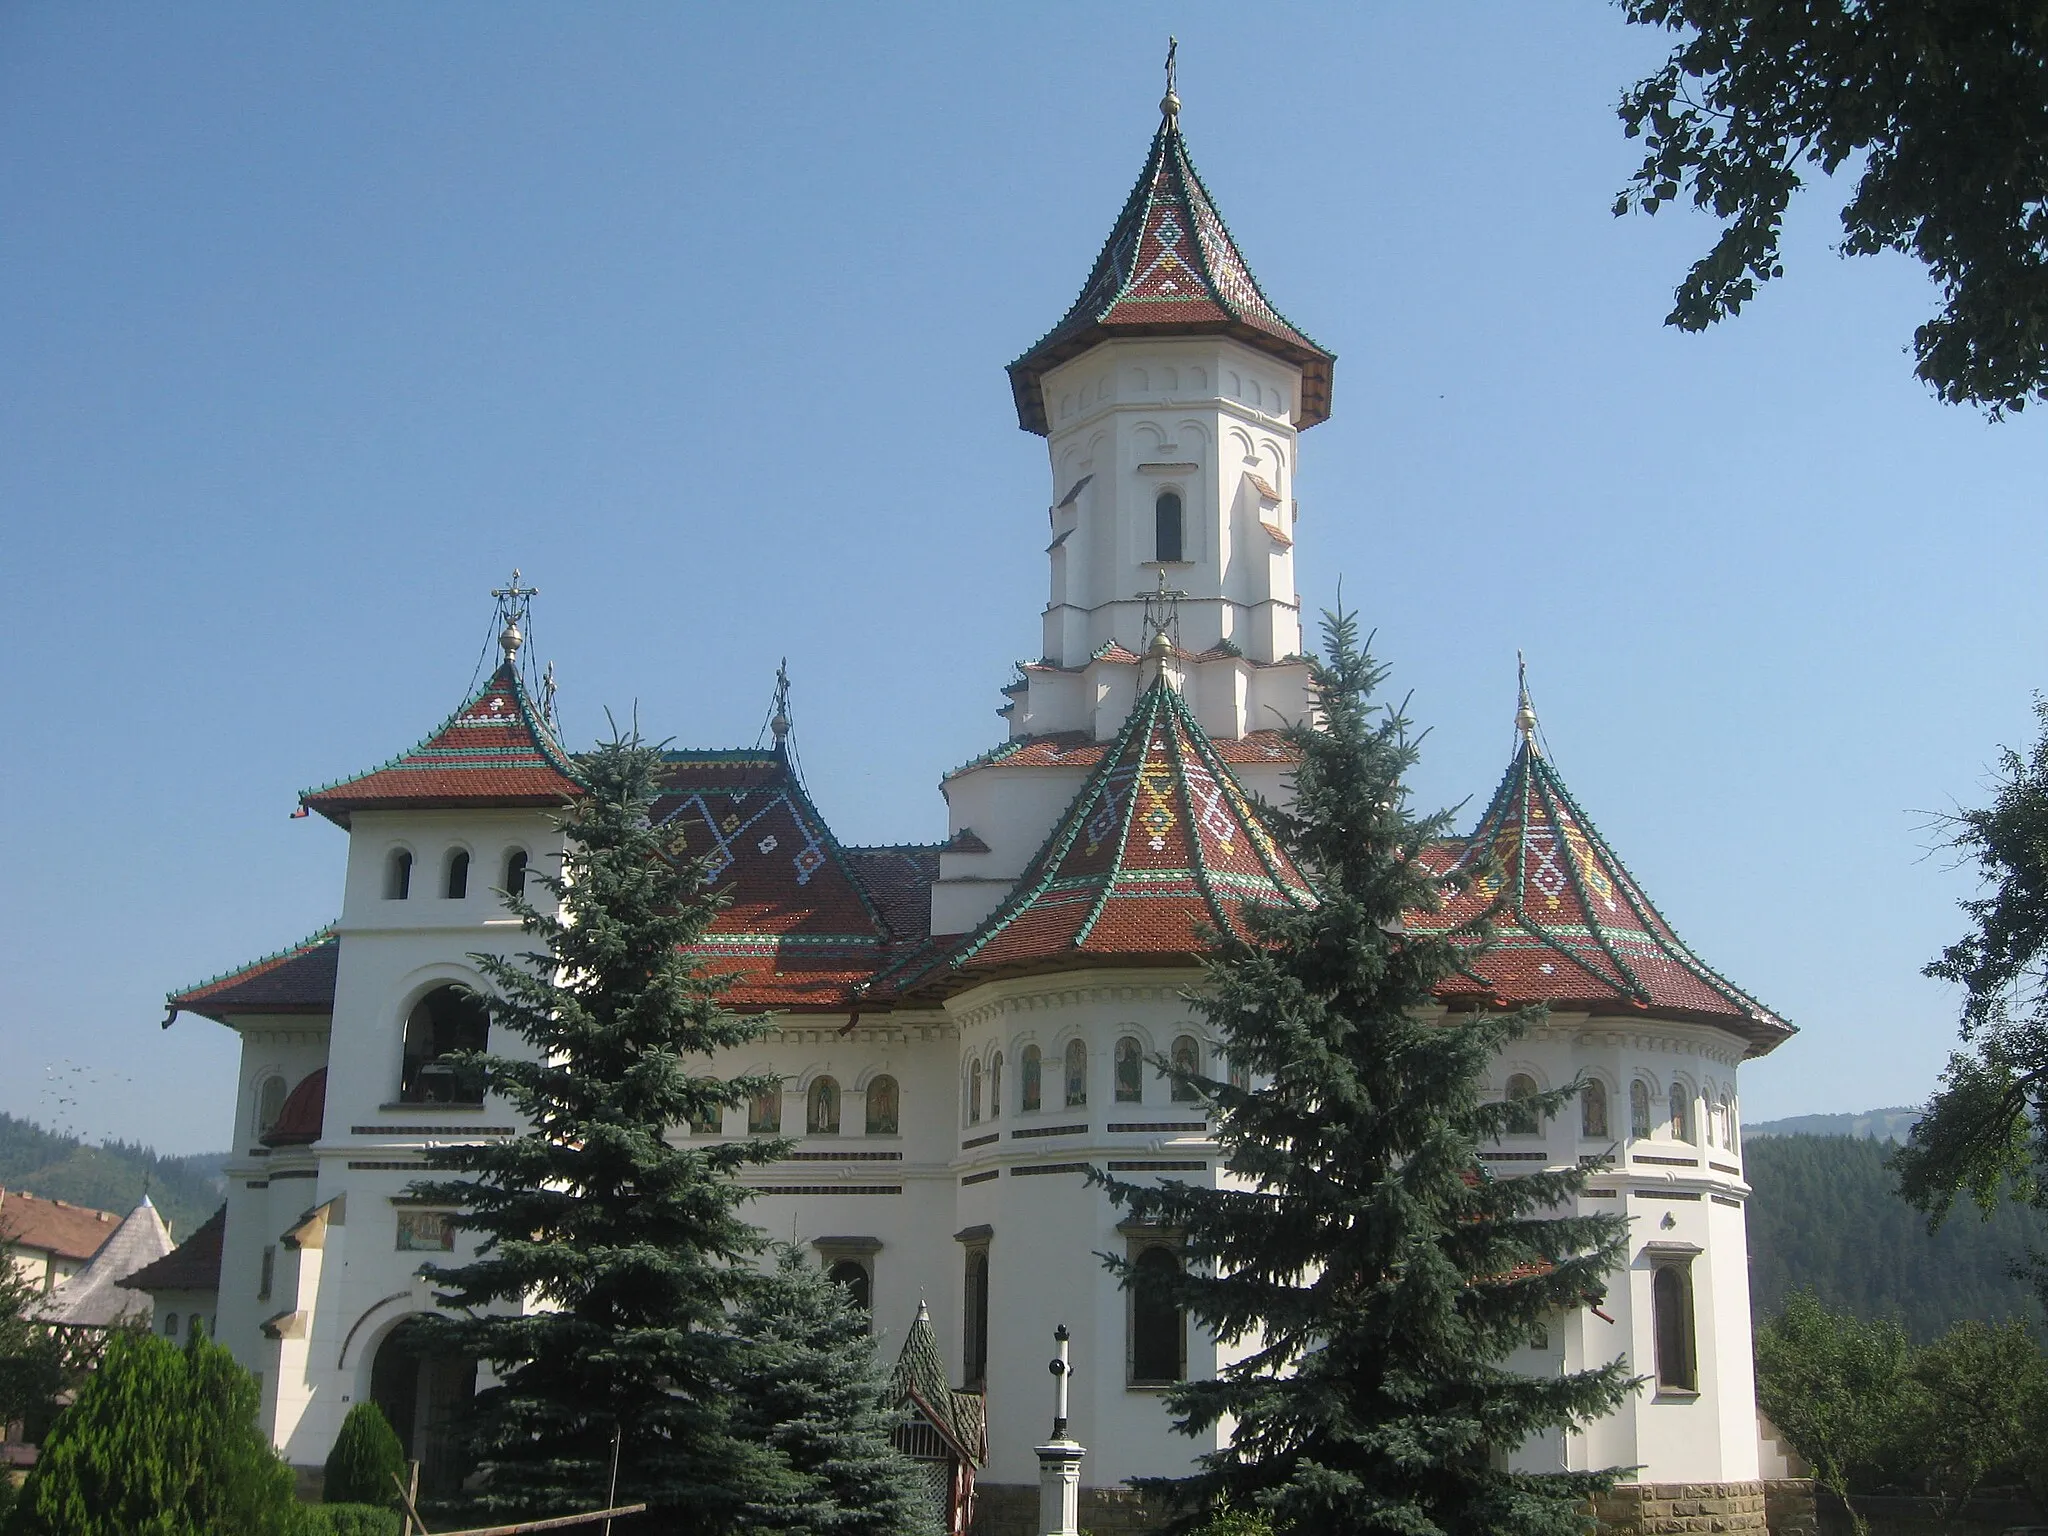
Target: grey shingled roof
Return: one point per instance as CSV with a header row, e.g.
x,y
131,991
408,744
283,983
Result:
x,y
93,1297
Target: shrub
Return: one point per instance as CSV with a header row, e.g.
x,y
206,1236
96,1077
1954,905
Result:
x,y
350,1520
365,1459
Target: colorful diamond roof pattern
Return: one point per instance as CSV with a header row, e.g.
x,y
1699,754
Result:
x,y
800,929
295,980
1170,267
495,750
1575,929
1160,844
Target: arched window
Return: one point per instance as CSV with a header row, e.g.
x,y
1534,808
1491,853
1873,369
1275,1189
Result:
x,y
457,885
974,1336
1681,1113
170,1325
1734,1135
764,1111
881,1106
1521,1089
1593,1109
269,1104
446,1021
709,1120
1639,1110
853,1274
1077,1073
1671,1305
1166,522
823,1116
1187,1061
1714,1117
398,875
1034,1073
1130,1070
1240,1076
515,872
1158,1326
995,1086
974,1093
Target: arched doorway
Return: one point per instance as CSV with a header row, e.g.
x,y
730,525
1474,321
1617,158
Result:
x,y
422,1394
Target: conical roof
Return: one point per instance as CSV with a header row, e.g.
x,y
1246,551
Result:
x,y
919,1381
1575,929
1161,843
93,1297
1170,267
495,750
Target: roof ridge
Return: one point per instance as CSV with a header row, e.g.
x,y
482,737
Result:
x,y
1150,703
1540,781
313,940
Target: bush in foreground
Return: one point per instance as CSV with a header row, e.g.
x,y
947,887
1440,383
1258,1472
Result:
x,y
366,1460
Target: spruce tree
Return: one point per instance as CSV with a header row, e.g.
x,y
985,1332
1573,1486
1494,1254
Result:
x,y
1370,1270
814,1392
160,1443
366,1457
599,1294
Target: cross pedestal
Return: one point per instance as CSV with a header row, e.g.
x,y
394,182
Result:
x,y
1059,1487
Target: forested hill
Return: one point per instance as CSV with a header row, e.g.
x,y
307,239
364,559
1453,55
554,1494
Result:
x,y
1824,1215
110,1177
1884,1124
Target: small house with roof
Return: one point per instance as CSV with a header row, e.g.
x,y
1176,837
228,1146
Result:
x,y
49,1241
963,1028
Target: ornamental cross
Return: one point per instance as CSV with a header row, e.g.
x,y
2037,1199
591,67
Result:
x,y
1162,614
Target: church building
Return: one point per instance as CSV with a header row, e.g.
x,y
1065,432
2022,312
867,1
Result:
x,y
963,1028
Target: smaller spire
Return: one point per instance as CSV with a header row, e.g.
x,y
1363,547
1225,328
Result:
x,y
1169,104
1525,711
778,723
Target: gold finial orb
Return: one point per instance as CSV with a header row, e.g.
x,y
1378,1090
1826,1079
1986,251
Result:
x,y
509,640
1161,646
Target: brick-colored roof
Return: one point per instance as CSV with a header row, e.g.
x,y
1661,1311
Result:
x,y
295,980
494,750
302,1114
800,929
899,880
194,1265
1575,930
53,1226
1160,844
1170,267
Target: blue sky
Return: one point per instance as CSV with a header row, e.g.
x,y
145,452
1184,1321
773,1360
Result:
x,y
317,319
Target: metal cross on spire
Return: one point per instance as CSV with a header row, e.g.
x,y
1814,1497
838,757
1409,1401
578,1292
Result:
x,y
514,604
1169,104
1160,630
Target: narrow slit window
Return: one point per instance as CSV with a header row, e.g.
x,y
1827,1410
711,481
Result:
x,y
398,876
1167,528
975,1342
1671,1306
1681,1113
1593,1109
515,872
1130,1071
995,1086
1187,1064
1639,1110
1077,1073
458,875
1034,1069
1158,1325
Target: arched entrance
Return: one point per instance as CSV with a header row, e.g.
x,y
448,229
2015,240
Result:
x,y
422,1394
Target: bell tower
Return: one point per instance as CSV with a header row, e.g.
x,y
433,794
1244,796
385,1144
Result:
x,y
1171,396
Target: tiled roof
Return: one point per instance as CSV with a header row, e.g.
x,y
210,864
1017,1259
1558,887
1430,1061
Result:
x,y
1170,267
53,1226
1077,749
295,980
1160,844
800,929
495,750
899,879
194,1265
1575,930
93,1297
302,1114
919,1381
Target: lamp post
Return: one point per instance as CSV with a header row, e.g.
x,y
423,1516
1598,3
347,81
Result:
x,y
1059,1459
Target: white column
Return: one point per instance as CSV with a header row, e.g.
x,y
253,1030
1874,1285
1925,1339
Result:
x,y
1059,1459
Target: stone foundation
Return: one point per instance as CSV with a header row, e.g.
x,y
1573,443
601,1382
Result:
x,y
1655,1509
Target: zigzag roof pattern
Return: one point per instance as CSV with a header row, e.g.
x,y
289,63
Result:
x,y
1574,928
1170,267
1160,843
495,750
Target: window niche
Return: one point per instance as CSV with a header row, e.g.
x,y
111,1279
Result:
x,y
974,1311
1671,1310
995,1086
974,1093
1523,1119
515,872
1169,547
456,885
1077,1073
398,875
269,1104
1681,1113
850,1262
884,1106
821,1113
1187,1063
448,1020
1639,1110
1031,1080
1130,1071
1156,1325
764,1112
1593,1110
709,1120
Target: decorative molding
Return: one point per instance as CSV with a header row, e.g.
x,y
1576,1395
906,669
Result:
x,y
827,1189
1049,1130
1018,1173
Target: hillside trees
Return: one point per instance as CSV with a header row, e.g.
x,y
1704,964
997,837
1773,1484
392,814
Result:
x,y
1382,1274
632,1247
1941,109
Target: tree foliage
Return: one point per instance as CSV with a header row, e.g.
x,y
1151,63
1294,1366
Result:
x,y
367,1456
610,1256
1940,107
31,1359
160,1442
1835,1386
1977,1404
1378,1276
1985,1132
813,1392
